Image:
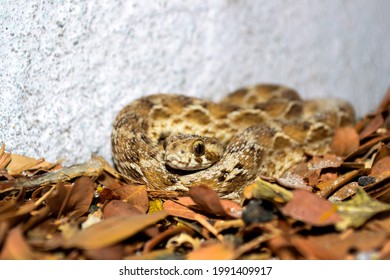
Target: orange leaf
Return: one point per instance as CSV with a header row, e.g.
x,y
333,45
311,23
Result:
x,y
345,141
137,196
16,247
120,208
216,251
112,230
5,158
178,210
308,207
381,166
208,200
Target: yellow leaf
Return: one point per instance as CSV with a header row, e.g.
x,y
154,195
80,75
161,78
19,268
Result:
x,y
271,192
358,210
155,205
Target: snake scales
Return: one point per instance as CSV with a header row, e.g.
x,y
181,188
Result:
x,y
173,142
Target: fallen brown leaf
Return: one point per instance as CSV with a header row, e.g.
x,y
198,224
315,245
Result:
x,y
311,209
345,141
15,246
81,196
214,251
135,195
107,253
179,210
5,158
381,166
328,187
120,208
335,246
208,200
111,231
372,126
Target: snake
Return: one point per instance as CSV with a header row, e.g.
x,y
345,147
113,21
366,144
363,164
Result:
x,y
174,142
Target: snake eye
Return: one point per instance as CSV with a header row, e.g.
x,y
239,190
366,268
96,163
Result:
x,y
198,148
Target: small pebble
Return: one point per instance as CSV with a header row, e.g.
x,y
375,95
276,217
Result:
x,y
366,180
258,211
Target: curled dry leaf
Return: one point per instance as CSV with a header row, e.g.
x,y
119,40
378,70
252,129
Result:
x,y
367,146
384,105
5,158
344,192
381,166
328,187
384,151
372,126
19,163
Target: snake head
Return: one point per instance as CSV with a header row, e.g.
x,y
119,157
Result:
x,y
191,152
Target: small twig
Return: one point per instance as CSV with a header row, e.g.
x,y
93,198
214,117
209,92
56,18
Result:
x,y
46,195
254,243
200,219
93,167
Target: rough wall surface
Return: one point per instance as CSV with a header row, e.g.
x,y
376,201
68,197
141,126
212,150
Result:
x,y
67,67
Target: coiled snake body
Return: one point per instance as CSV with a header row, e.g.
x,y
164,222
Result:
x,y
174,142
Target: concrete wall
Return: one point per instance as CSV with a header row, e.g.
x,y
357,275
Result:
x,y
67,67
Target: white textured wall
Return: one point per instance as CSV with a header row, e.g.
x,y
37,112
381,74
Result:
x,y
67,67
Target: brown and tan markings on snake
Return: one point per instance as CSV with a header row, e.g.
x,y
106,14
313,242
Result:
x,y
174,142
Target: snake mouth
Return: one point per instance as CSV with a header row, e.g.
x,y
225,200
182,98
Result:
x,y
177,164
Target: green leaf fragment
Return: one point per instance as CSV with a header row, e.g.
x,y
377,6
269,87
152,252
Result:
x,y
358,210
271,192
